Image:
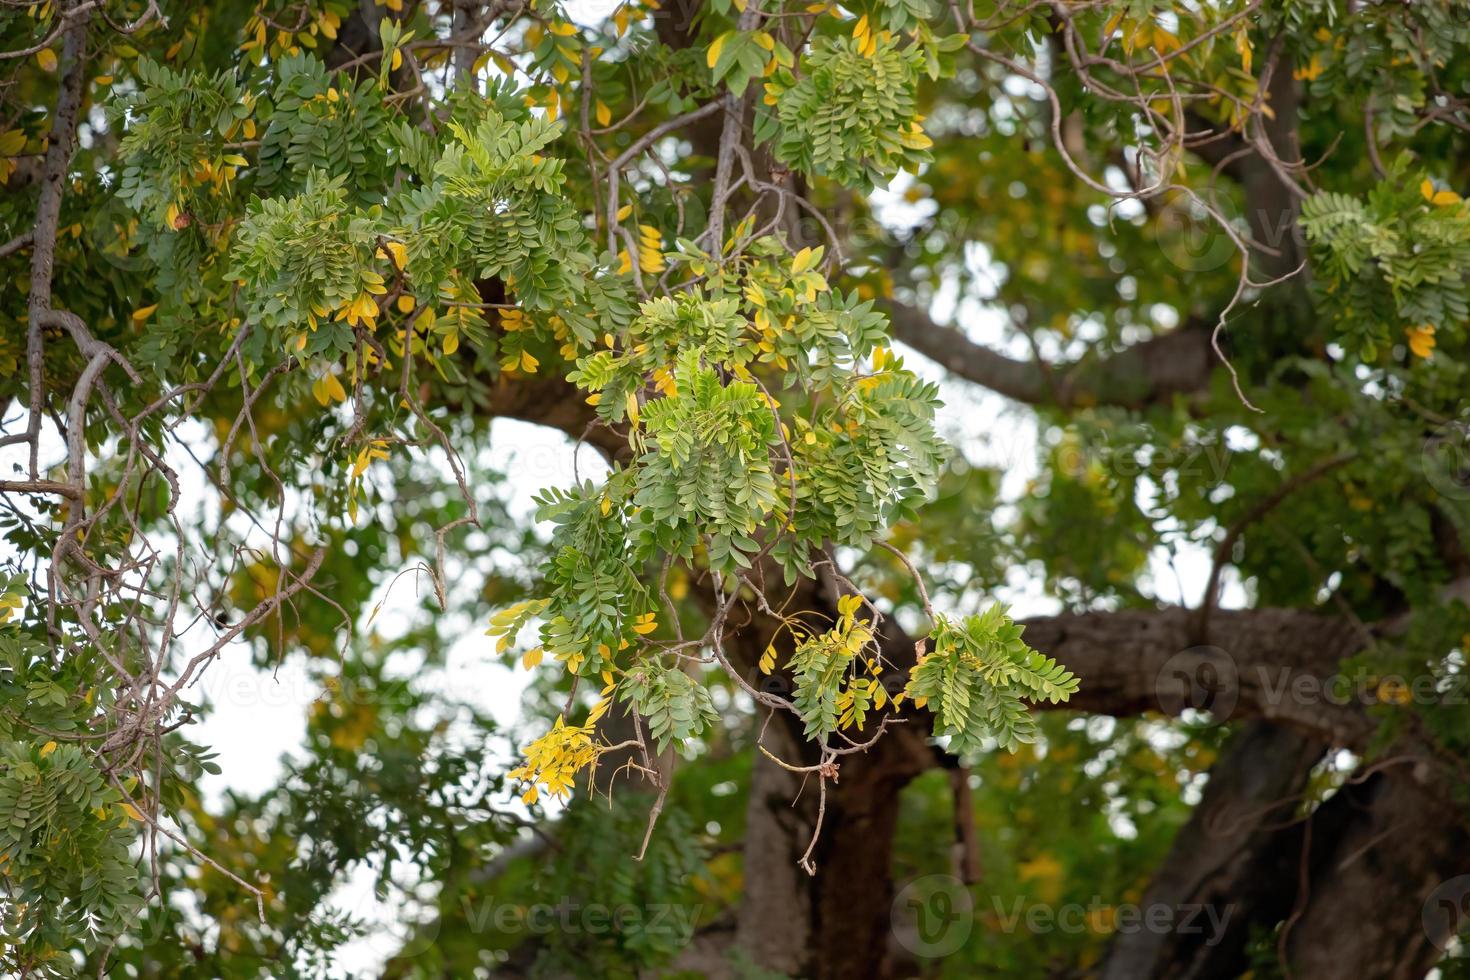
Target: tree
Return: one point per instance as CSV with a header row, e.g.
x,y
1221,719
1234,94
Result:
x,y
273,273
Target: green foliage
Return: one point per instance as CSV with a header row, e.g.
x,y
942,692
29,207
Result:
x,y
978,677
64,855
1395,260
657,896
676,706
867,463
495,208
176,124
594,590
318,121
828,694
306,257
852,115
708,469
373,239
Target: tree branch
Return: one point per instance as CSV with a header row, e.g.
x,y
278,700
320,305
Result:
x,y
1148,373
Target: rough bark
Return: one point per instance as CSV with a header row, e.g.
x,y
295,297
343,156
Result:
x,y
1224,858
1278,664
1148,373
1376,853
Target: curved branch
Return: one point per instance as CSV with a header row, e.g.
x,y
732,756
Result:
x,y
1148,373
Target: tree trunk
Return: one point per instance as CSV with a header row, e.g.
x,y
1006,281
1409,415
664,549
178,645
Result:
x,y
1379,852
835,923
1223,861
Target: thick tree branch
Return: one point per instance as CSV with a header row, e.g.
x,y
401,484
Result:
x,y
1277,664
1149,373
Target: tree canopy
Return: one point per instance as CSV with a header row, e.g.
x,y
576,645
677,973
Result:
x,y
271,275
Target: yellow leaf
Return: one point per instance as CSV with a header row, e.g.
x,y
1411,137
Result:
x,y
598,710
1243,47
532,658
529,796
805,260
606,506
1421,340
397,252
12,142
1309,71
714,49
132,811
1443,198
624,211
528,363
603,113
451,342
141,315
405,303
46,58
632,406
334,388
397,59
47,749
